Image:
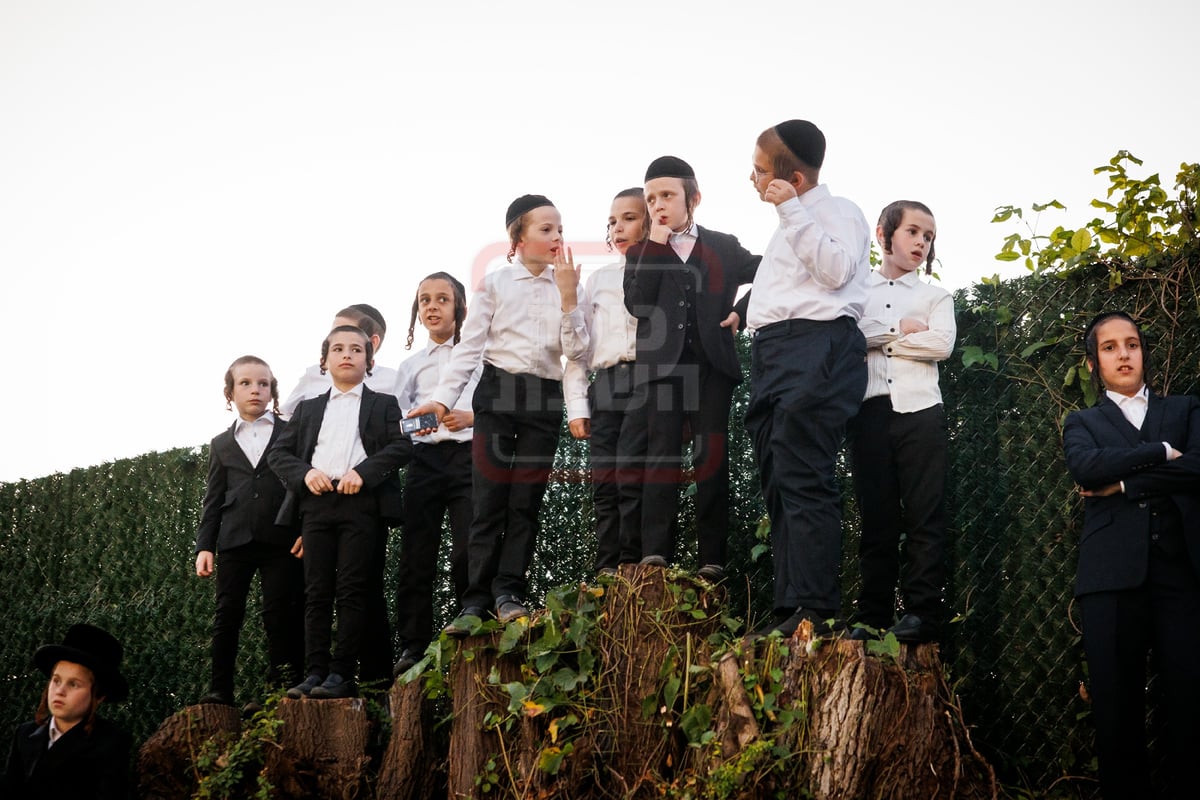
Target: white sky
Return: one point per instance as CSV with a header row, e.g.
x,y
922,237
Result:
x,y
182,183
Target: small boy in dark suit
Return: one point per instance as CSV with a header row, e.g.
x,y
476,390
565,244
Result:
x,y
338,459
237,520
680,284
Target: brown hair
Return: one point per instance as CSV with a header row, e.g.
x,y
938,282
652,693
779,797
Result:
x,y
633,191
460,304
349,329
783,161
890,219
229,382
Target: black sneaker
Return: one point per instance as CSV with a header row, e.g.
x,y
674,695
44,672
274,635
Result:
x,y
216,697
335,687
409,657
304,689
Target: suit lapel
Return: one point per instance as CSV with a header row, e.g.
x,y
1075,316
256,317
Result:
x,y
1154,419
1112,411
230,449
364,413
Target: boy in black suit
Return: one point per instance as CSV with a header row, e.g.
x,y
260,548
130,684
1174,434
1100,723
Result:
x,y
1136,458
338,459
238,519
681,284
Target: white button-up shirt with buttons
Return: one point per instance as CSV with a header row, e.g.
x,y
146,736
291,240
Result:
x,y
816,263
515,323
418,378
253,436
339,445
905,365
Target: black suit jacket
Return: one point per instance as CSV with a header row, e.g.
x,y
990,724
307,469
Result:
x,y
1102,448
241,501
94,767
655,294
386,447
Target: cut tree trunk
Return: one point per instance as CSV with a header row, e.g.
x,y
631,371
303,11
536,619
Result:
x,y
165,762
322,750
409,767
878,728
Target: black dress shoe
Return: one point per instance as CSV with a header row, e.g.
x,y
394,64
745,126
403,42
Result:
x,y
713,573
863,633
461,626
216,697
251,708
913,629
654,561
335,687
304,688
823,623
509,608
409,657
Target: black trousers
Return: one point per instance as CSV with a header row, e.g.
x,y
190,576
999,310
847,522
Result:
x,y
282,578
438,482
808,378
1119,629
342,541
517,423
899,466
652,441
617,498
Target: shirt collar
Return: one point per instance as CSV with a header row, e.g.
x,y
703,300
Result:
x,y
267,418
431,345
1141,396
355,390
815,195
523,273
907,279
55,733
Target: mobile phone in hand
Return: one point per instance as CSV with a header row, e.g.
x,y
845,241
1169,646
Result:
x,y
411,425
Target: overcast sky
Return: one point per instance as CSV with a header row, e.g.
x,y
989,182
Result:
x,y
182,183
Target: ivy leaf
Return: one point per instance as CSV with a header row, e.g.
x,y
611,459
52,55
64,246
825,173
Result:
x,y
1051,204
695,722
1082,240
1033,348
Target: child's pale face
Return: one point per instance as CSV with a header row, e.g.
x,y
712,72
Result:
x,y
761,173
435,305
664,197
346,362
910,242
626,222
541,237
69,694
1119,352
251,390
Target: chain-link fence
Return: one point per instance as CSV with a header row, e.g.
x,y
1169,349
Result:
x,y
113,544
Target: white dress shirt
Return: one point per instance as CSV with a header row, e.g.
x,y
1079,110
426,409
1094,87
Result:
x,y
253,436
1132,408
339,446
418,378
904,365
816,265
683,242
515,323
313,383
612,334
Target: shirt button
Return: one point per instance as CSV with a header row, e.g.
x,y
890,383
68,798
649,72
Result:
x,y
891,283
1142,504
889,380
682,304
889,305
679,326
891,330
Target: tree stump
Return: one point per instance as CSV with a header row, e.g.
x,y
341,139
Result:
x,y
165,761
322,750
878,728
408,769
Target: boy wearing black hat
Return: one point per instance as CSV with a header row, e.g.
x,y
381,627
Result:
x,y
524,319
67,750
809,366
680,284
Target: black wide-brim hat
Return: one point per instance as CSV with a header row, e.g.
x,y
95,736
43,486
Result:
x,y
95,649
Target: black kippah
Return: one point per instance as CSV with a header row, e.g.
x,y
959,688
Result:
x,y
669,167
523,204
804,139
